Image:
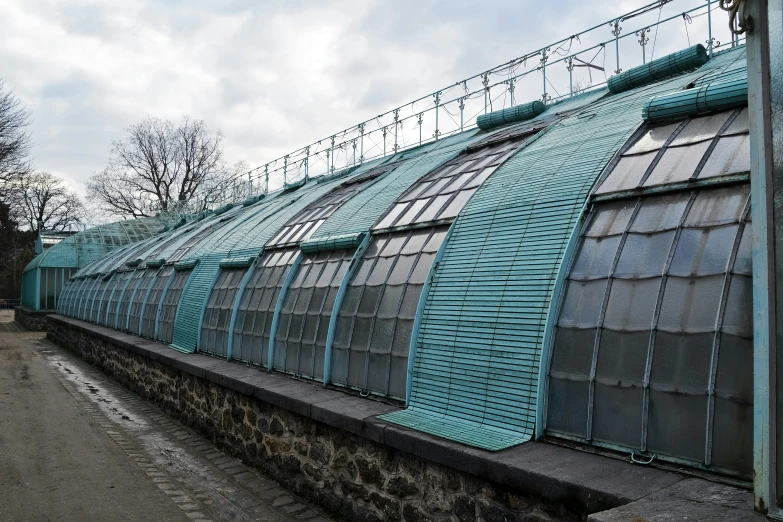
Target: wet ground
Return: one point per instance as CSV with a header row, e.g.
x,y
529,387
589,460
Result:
x,y
74,446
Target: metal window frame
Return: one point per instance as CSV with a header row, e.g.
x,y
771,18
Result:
x,y
237,301
159,312
338,300
270,358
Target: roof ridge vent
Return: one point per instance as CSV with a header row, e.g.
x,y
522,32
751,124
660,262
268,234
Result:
x,y
712,97
514,114
669,65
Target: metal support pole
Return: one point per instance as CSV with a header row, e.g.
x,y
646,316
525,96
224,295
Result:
x,y
643,39
710,39
616,30
332,149
384,142
396,122
420,121
285,170
361,150
249,185
570,67
461,114
485,82
437,105
307,163
511,90
354,152
763,21
543,70
266,178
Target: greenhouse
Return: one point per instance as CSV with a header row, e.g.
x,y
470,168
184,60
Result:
x,y
578,271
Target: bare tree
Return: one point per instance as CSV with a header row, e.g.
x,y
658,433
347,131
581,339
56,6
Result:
x,y
44,202
161,167
14,140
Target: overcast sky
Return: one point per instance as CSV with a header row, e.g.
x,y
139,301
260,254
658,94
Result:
x,y
272,76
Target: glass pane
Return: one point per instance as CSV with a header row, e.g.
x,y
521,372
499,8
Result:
x,y
676,424
734,378
617,414
369,300
436,187
660,213
595,258
412,212
572,353
394,244
457,182
415,243
435,240
480,178
677,164
582,304
732,446
738,316
622,357
391,217
456,205
416,191
702,128
653,139
740,123
402,269
730,156
718,206
363,271
567,406
681,362
380,271
690,305
410,301
390,302
703,251
632,304
422,268
627,173
743,263
402,335
644,255
433,209
611,218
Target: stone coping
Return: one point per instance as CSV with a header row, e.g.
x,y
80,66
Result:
x,y
30,311
582,481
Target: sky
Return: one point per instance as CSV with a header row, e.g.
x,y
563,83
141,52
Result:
x,y
271,76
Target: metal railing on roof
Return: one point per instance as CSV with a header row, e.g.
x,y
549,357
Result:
x,y
455,108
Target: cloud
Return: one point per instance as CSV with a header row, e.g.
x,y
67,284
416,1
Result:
x,y
272,76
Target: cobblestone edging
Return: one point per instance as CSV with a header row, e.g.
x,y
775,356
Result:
x,y
32,320
351,477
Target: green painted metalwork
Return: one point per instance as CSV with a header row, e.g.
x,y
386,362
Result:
x,y
712,97
477,356
236,262
514,114
333,242
364,209
280,300
669,65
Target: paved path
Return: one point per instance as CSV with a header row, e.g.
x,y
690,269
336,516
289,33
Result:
x,y
74,446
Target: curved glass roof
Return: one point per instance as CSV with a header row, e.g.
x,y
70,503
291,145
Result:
x,y
581,275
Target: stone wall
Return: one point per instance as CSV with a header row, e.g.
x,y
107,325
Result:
x,y
33,320
351,477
